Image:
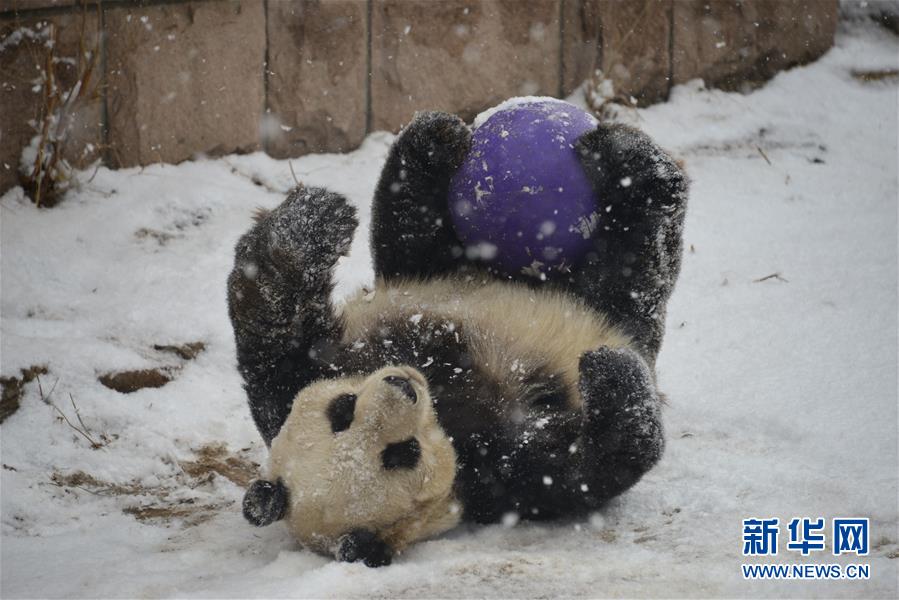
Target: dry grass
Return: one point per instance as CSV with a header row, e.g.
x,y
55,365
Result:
x,y
214,459
90,484
187,351
885,75
162,237
605,102
166,502
187,511
50,174
96,441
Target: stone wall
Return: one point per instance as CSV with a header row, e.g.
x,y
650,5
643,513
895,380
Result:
x,y
177,79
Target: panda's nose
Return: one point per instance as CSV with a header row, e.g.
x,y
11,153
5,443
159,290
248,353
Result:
x,y
404,386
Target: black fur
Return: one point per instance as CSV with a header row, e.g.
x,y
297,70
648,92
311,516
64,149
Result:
x,y
265,502
632,269
361,544
411,233
402,455
643,195
340,412
279,299
534,456
560,462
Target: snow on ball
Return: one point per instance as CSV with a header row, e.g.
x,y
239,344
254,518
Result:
x,y
521,201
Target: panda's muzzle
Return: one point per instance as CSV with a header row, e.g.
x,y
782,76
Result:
x,y
404,385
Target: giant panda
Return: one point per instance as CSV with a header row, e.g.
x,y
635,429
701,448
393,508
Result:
x,y
449,391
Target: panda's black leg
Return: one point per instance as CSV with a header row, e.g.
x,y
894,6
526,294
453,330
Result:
x,y
569,461
621,433
411,234
636,257
279,299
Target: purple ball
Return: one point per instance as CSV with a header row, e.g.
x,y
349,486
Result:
x,y
521,201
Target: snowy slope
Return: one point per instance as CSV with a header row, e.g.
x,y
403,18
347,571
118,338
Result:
x,y
782,393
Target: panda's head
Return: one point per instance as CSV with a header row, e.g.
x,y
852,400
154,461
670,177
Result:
x,y
361,468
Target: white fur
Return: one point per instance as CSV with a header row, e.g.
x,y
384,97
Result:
x,y
509,326
337,482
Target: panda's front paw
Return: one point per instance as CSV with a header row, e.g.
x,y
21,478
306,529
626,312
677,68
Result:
x,y
311,228
364,545
436,140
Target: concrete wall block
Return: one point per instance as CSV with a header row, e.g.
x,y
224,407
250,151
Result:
x,y
580,42
634,51
730,42
794,32
318,63
711,41
21,5
23,58
461,56
189,77
184,78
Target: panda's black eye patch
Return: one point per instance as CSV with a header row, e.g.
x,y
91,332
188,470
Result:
x,y
402,455
340,412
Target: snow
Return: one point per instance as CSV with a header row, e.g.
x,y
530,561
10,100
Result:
x,y
483,116
782,391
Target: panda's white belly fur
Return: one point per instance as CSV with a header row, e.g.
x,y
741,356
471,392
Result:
x,y
509,327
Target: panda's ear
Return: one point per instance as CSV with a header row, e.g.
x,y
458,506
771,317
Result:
x,y
265,502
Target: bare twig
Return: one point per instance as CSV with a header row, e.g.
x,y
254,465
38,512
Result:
x,y
765,156
50,172
84,434
83,430
40,389
254,179
94,174
776,276
77,412
294,175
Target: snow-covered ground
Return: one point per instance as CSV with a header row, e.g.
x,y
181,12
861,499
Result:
x,y
782,392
